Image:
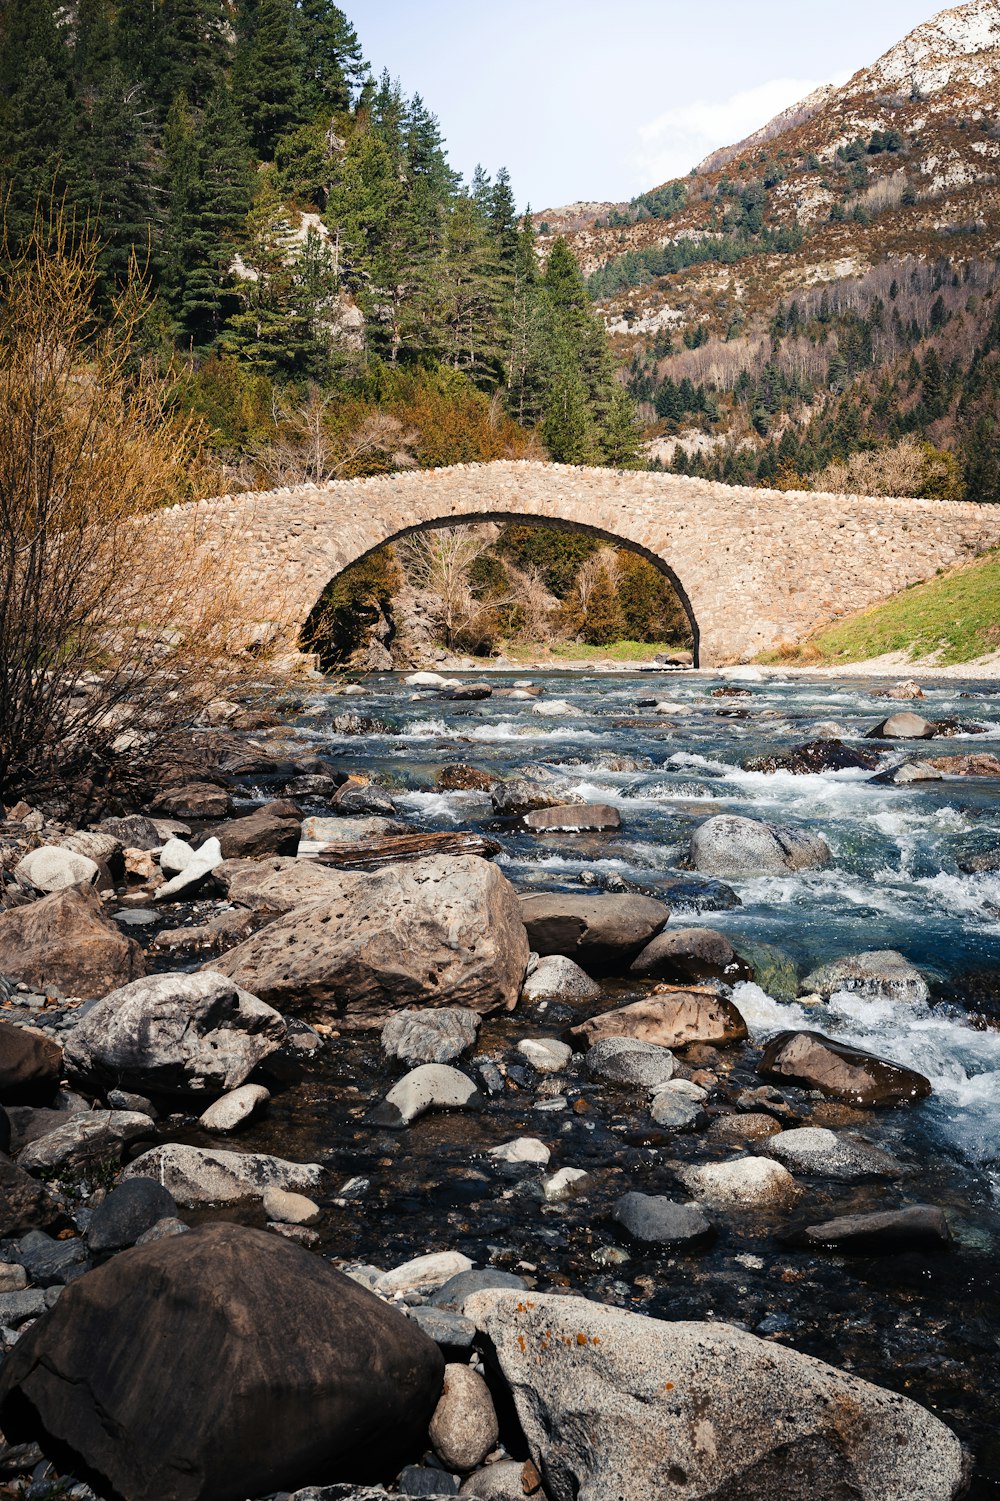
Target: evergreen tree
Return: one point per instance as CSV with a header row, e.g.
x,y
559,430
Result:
x,y
620,436
38,146
334,68
567,426
118,174
93,45
602,619
269,73
193,48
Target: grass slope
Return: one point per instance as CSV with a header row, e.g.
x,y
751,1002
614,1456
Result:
x,y
954,618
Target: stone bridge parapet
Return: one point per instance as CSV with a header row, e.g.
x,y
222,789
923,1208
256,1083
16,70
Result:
x,y
752,567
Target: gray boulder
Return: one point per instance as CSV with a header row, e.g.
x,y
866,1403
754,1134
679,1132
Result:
x,y
878,972
627,1060
446,929
731,846
903,726
520,796
128,1212
828,1154
52,868
555,977
615,1404
176,1034
88,1136
196,1175
653,1220
598,932
428,1036
687,956
432,1086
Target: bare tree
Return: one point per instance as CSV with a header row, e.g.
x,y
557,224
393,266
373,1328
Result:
x,y
441,562
307,450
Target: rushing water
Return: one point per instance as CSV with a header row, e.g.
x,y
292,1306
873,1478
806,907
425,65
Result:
x,y
923,1324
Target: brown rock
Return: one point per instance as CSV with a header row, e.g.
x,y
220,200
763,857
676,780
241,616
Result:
x,y
65,940
841,1072
669,1017
690,955
30,1066
293,1374
737,1130
460,778
275,884
259,833
194,800
599,932
441,931
580,818
24,1204
983,764
464,1427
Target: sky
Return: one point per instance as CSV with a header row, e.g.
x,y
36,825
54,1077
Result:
x,y
602,99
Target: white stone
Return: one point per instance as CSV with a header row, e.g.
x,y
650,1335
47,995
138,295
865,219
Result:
x,y
424,1274
750,1182
425,680
205,860
431,1086
546,1054
175,856
289,1208
199,1175
553,708
229,1112
686,1089
561,1184
52,868
555,976
522,1149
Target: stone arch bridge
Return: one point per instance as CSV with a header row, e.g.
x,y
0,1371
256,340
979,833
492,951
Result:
x,y
752,567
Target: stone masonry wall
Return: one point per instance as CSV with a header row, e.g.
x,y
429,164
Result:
x,y
754,567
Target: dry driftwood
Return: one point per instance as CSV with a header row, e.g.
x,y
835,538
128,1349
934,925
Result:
x,y
391,849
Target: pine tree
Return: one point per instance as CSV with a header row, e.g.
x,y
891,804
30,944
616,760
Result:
x,y
117,161
193,49
334,68
38,146
568,426
621,436
269,74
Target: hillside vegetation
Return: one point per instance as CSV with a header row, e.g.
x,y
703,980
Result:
x,y
954,618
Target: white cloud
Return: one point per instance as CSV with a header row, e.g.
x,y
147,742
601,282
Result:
x,y
677,140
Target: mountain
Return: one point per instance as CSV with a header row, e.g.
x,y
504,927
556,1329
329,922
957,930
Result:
x,y
798,283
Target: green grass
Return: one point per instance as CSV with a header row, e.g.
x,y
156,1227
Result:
x,y
954,618
579,651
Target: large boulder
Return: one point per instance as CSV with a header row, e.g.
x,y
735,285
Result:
x,y
292,1373
520,796
669,1017
598,932
839,1071
65,940
816,757
731,846
442,931
690,955
903,726
615,1404
878,972
176,1034
259,833
201,1175
86,1136
25,1204
53,868
30,1066
194,800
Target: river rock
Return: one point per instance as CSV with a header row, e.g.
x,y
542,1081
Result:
x,y
360,799
910,771
652,1219
200,1175
24,1203
30,1066
690,955
598,932
432,1086
461,1285
65,940
290,1208
675,1111
523,1149
671,1018
555,977
87,1136
981,862
878,972
729,846
982,764
739,1130
176,1034
51,867
840,1072
458,778
450,1331
175,856
627,1060
504,1480
129,1211
430,1036
234,1109
615,1404
902,726
827,1154
746,1182
424,1274
918,1227
277,884
564,1183
828,753
259,833
194,800
442,929
195,873
546,1054
519,796
692,893
293,1373
581,818
464,1428
136,832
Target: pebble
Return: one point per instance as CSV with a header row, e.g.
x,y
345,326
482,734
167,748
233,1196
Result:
x,y
522,1149
545,1054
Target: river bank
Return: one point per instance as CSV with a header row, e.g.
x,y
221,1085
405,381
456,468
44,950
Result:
x,y
674,1187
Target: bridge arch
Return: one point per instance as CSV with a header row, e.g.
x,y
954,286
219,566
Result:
x,y
755,567
502,518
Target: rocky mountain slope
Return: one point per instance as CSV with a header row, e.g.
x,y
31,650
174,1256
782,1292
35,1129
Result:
x,y
898,168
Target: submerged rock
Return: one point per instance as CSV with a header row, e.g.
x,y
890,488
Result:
x,y
840,1072
669,1017
655,1220
443,930
293,1373
519,796
430,1036
731,846
614,1404
878,972
918,1227
827,754
579,819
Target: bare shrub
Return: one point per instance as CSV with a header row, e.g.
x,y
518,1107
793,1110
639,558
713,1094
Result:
x,y
907,468
305,449
440,563
113,629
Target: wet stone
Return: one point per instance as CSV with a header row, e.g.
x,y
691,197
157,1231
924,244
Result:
x,y
655,1220
431,1036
